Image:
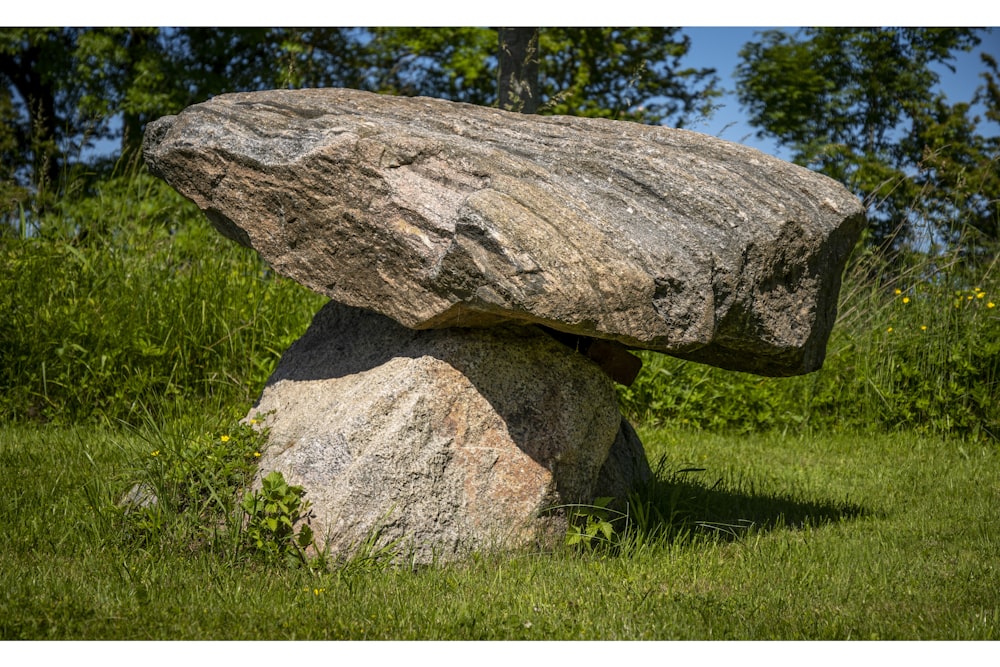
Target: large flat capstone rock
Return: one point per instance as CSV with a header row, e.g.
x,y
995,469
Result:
x,y
439,214
442,442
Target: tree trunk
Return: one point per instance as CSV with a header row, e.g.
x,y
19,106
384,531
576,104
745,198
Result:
x,y
518,60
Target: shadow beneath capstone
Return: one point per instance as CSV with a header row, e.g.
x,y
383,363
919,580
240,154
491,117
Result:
x,y
344,340
520,370
689,503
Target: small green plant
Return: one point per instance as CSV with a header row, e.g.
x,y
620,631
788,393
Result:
x,y
195,491
189,487
272,514
591,525
203,474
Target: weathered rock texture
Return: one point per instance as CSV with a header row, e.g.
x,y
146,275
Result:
x,y
448,440
439,214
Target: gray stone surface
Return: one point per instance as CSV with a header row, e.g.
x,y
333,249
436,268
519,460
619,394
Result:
x,y
439,214
448,440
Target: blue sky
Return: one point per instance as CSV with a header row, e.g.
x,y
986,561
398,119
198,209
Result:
x,y
718,47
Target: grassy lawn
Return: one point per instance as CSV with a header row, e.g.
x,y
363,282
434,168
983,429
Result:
x,y
841,536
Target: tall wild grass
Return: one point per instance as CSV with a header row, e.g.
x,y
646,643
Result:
x,y
124,302
916,346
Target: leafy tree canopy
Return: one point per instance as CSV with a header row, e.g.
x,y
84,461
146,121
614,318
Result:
x,y
625,73
862,106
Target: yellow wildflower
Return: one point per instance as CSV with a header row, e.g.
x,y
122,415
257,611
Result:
x,y
224,438
889,330
991,305
923,327
256,455
156,453
906,299
898,291
980,295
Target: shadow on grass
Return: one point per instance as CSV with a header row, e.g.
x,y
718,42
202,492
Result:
x,y
684,504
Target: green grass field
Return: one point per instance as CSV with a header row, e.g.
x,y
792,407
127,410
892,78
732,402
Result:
x,y
802,537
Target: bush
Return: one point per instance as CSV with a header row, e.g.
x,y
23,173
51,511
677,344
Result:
x,y
126,299
914,347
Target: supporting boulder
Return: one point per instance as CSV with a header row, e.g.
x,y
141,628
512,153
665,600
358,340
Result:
x,y
447,441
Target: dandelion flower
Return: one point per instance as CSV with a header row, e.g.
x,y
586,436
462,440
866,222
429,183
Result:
x,y
980,295
224,438
923,327
898,291
991,305
906,299
889,330
256,455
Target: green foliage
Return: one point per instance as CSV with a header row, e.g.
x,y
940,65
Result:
x,y
34,66
186,488
272,514
124,71
861,105
63,89
194,493
126,300
590,525
14,197
931,359
453,63
625,73
915,348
